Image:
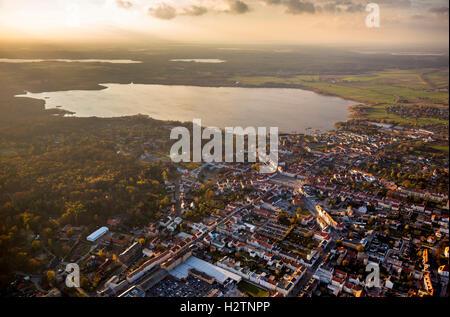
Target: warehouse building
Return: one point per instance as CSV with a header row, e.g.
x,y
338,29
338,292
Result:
x,y
219,274
97,234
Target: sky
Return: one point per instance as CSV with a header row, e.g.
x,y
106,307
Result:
x,y
234,21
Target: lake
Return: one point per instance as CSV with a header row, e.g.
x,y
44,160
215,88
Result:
x,y
200,60
292,110
111,61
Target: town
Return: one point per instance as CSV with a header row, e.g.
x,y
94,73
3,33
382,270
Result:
x,y
339,202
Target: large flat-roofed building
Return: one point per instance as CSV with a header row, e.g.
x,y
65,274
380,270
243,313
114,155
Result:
x,y
219,274
97,234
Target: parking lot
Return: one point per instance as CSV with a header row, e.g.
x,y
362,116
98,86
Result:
x,y
171,287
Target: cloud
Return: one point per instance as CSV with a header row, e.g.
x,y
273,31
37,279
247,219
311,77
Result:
x,y
340,6
418,17
355,7
330,8
272,1
395,3
439,10
124,4
238,7
319,6
298,7
293,6
167,12
163,11
195,10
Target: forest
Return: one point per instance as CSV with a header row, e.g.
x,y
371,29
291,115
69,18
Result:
x,y
57,171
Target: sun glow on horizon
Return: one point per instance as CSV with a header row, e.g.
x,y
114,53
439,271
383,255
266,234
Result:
x,y
180,20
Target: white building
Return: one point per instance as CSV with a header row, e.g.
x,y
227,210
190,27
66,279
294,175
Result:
x,y
97,234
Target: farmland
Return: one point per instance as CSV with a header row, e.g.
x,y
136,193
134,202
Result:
x,y
408,88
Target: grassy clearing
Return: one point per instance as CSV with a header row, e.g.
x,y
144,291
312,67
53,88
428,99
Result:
x,y
252,290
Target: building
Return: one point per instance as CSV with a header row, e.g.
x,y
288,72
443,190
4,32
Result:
x,y
147,266
327,218
202,276
194,265
54,292
324,274
130,252
427,284
443,270
134,291
97,234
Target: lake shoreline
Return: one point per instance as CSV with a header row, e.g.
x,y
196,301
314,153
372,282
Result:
x,y
272,106
98,87
209,85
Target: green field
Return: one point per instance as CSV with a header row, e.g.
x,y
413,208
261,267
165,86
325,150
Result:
x,y
443,148
377,89
252,290
379,112
391,86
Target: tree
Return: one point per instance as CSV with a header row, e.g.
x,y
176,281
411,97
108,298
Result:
x,y
73,211
85,284
50,276
34,264
36,244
